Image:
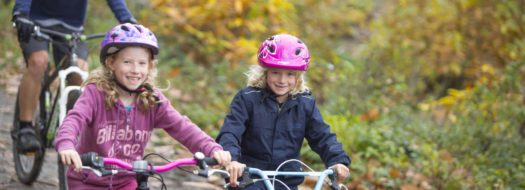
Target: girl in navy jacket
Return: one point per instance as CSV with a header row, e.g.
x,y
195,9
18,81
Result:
x,y
269,119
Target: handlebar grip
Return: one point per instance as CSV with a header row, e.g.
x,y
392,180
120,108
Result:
x,y
203,161
210,161
92,159
333,180
245,179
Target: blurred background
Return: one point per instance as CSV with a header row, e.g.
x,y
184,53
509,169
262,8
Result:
x,y
423,94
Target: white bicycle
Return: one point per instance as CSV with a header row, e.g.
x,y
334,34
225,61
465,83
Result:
x,y
53,102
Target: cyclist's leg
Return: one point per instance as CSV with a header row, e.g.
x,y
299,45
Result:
x,y
37,57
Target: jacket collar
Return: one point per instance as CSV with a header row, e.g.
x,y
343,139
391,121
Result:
x,y
267,93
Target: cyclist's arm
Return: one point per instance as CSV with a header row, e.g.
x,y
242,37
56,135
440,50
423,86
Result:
x,y
323,141
182,129
230,136
77,118
121,11
21,7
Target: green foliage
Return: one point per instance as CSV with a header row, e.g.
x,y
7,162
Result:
x,y
10,56
436,45
201,92
487,137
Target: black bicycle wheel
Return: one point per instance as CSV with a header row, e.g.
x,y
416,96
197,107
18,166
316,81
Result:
x,y
62,169
28,165
62,178
51,134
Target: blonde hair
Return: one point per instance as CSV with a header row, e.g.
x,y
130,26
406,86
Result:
x,y
256,77
104,79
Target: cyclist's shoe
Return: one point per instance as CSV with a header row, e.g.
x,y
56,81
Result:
x,y
27,140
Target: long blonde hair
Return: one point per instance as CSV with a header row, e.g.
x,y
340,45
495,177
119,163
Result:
x,y
256,77
105,81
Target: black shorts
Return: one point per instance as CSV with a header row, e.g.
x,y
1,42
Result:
x,y
34,45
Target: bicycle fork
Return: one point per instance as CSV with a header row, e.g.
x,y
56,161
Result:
x,y
65,90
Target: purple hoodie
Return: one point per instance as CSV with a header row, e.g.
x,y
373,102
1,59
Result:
x,y
117,133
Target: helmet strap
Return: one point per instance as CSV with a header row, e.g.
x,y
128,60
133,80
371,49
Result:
x,y
140,89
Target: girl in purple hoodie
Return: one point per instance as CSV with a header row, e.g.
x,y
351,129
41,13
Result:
x,y
118,110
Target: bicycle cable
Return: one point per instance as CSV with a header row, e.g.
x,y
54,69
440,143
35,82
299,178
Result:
x,y
257,180
155,154
280,165
155,174
161,179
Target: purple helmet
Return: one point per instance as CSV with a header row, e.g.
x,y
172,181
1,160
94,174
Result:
x,y
284,51
127,34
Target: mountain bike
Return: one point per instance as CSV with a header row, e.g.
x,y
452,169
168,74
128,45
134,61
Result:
x,y
53,103
143,169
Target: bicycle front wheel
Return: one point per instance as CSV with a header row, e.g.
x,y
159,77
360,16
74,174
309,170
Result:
x,y
27,165
62,178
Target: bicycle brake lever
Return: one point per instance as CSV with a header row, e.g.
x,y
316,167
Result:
x,y
101,172
246,179
222,173
39,35
202,173
108,172
333,180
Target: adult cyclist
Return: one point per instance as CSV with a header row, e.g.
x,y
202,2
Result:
x,y
61,15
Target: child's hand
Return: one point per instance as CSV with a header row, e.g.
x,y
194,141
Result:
x,y
223,157
342,172
70,157
235,169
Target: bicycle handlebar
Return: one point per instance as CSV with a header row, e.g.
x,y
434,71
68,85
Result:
x,y
92,161
43,33
96,163
249,177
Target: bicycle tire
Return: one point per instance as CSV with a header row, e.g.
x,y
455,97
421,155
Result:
x,y
62,178
51,134
29,165
62,169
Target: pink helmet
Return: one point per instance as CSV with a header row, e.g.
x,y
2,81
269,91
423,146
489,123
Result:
x,y
127,34
284,51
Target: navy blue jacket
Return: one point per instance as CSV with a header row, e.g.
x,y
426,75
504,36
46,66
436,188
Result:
x,y
260,134
72,12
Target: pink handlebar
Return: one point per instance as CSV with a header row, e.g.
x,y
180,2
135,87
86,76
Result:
x,y
158,169
92,161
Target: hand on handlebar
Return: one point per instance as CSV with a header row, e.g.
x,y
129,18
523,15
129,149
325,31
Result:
x,y
71,158
222,157
342,172
24,26
236,170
